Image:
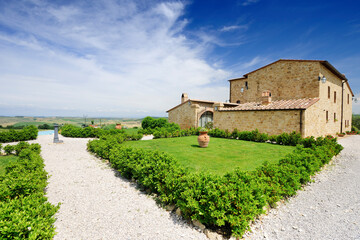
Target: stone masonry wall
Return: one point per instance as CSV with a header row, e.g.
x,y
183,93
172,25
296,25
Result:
x,y
347,108
182,115
271,122
285,80
188,115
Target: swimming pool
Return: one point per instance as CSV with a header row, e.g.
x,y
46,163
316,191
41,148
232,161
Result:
x,y
47,132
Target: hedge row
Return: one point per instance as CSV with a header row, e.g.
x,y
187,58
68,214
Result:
x,y
228,202
25,212
290,139
69,130
27,133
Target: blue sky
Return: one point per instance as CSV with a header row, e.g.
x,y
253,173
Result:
x,y
125,58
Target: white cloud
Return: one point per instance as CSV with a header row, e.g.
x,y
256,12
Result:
x,y
107,58
248,2
233,28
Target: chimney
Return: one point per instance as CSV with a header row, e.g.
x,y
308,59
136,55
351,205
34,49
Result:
x,y
184,97
266,97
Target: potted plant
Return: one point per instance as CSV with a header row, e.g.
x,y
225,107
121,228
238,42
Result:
x,y
341,134
203,138
118,126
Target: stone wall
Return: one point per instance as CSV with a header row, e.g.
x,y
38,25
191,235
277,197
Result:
x,y
182,115
271,122
285,79
347,108
326,104
188,114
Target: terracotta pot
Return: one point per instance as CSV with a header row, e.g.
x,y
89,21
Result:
x,y
118,126
341,135
203,139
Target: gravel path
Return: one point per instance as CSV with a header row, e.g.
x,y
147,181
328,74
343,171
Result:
x,y
329,208
96,204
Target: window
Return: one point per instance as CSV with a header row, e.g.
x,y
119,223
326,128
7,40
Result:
x,y
335,117
334,96
329,92
327,116
348,98
246,85
238,101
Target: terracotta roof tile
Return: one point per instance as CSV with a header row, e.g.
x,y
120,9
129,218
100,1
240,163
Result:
x,y
202,101
293,104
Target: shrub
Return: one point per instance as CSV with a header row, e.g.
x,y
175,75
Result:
x,y
25,212
27,133
209,125
152,123
46,126
0,148
356,121
354,129
228,202
9,149
20,146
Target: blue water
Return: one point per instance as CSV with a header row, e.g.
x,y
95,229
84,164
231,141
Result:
x,y
47,132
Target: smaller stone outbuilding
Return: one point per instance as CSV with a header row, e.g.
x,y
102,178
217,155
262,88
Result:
x,y
193,113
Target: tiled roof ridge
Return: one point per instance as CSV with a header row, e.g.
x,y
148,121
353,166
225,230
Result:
x,y
282,104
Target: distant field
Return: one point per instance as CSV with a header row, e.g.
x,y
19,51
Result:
x,y
21,121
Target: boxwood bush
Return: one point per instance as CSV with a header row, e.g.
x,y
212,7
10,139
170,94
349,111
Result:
x,y
69,130
228,202
27,133
25,212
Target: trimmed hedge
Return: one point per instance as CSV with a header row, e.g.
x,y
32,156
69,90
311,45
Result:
x,y
69,130
27,133
25,212
290,139
228,202
152,125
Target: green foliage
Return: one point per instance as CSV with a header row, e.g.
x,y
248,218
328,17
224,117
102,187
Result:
x,y
160,125
209,125
109,127
20,146
356,121
89,132
291,139
152,123
228,202
24,210
28,133
9,149
46,126
355,129
0,148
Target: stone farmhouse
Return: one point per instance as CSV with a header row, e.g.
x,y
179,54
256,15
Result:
x,y
310,97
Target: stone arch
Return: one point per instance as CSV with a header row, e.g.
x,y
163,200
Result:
x,y
205,116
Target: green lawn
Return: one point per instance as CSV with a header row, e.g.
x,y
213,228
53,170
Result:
x,y
221,156
131,130
5,160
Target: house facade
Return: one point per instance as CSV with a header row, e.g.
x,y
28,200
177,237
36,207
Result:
x,y
307,96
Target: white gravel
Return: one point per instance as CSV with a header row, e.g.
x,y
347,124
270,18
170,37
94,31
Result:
x,y
329,208
97,204
147,137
